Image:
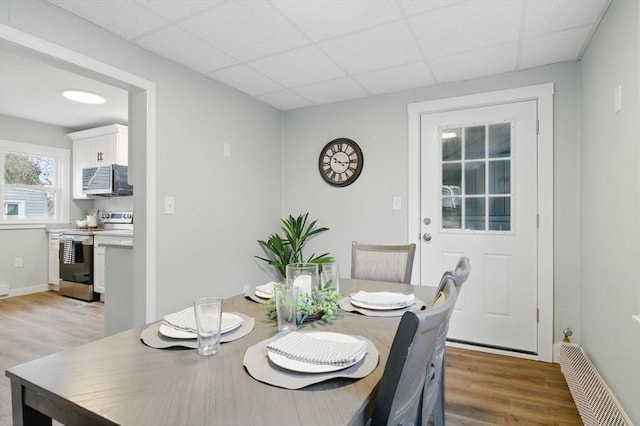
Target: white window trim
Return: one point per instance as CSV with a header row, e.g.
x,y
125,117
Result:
x,y
63,177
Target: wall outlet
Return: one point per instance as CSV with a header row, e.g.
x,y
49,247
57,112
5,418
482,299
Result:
x,y
4,289
227,150
617,96
17,262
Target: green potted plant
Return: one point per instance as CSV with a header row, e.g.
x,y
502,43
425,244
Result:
x,y
282,251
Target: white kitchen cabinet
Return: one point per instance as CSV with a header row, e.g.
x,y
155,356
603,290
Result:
x,y
54,258
100,257
96,147
98,267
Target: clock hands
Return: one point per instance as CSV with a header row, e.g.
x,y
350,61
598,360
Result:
x,y
339,162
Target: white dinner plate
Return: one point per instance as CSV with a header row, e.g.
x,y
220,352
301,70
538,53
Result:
x,y
262,294
265,291
305,367
378,307
228,323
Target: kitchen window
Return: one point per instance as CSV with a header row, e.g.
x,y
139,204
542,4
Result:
x,y
34,183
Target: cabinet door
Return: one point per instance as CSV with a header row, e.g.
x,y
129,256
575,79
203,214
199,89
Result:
x,y
108,149
98,268
54,260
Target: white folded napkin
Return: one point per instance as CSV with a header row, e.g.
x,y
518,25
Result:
x,y
267,288
184,320
383,299
312,350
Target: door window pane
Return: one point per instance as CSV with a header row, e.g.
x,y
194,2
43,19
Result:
x,y
500,177
452,175
500,140
500,214
474,142
476,166
474,177
474,214
451,144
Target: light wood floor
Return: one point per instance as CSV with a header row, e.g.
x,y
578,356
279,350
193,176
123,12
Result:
x,y
482,389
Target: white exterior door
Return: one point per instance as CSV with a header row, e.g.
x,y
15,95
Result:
x,y
478,198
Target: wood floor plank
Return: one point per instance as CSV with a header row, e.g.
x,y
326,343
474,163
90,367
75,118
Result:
x,y
481,389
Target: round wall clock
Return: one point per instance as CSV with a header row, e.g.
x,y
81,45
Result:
x,y
340,162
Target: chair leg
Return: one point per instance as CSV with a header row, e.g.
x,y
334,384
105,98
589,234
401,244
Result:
x,y
438,410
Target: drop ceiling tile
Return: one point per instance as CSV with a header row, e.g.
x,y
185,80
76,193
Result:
x,y
284,100
298,67
323,19
545,16
467,26
122,17
175,10
567,47
247,80
476,63
332,91
180,46
397,78
245,30
381,47
414,7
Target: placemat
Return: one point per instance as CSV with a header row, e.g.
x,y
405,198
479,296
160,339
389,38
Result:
x,y
151,335
345,305
260,368
251,296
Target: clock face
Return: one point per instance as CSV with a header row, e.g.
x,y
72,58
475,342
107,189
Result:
x,y
340,162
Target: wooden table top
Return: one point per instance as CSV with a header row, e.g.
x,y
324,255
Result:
x,y
120,380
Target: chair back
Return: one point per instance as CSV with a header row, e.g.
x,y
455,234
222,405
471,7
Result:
x,y
462,271
398,400
392,263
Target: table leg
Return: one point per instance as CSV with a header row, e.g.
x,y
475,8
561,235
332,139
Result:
x,y
23,415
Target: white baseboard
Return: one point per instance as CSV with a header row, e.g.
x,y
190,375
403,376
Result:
x,y
27,290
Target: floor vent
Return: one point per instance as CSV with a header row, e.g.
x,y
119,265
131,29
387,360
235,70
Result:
x,y
595,401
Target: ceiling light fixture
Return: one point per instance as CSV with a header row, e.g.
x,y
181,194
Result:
x,y
83,96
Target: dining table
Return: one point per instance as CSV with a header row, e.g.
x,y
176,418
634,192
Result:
x,y
119,380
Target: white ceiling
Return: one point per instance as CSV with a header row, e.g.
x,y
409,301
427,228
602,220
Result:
x,y
296,53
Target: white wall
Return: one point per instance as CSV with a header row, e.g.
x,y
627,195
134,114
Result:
x,y
363,210
610,203
223,205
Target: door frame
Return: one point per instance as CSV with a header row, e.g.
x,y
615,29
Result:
x,y
142,111
543,94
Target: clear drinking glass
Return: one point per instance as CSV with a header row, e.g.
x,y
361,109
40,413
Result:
x,y
330,276
208,312
286,306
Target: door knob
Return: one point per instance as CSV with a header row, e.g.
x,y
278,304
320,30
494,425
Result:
x,y
426,236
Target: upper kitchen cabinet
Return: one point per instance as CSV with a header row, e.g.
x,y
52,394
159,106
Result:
x,y
97,147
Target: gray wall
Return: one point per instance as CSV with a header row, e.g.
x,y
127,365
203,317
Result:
x,y
363,210
30,244
223,205
609,203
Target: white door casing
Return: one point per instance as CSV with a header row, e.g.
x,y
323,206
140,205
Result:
x,y
538,345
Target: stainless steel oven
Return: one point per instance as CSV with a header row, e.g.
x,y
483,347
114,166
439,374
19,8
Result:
x,y
76,266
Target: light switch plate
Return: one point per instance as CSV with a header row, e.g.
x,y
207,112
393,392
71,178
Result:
x,y
397,203
618,98
169,205
227,150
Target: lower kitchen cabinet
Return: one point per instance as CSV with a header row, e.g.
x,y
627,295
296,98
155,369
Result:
x,y
100,257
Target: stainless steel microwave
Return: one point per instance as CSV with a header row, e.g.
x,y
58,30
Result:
x,y
108,181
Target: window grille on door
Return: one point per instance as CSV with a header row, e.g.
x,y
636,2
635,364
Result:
x,y
476,177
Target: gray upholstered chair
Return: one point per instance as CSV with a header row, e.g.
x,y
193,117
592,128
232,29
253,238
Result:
x,y
460,273
401,395
392,263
